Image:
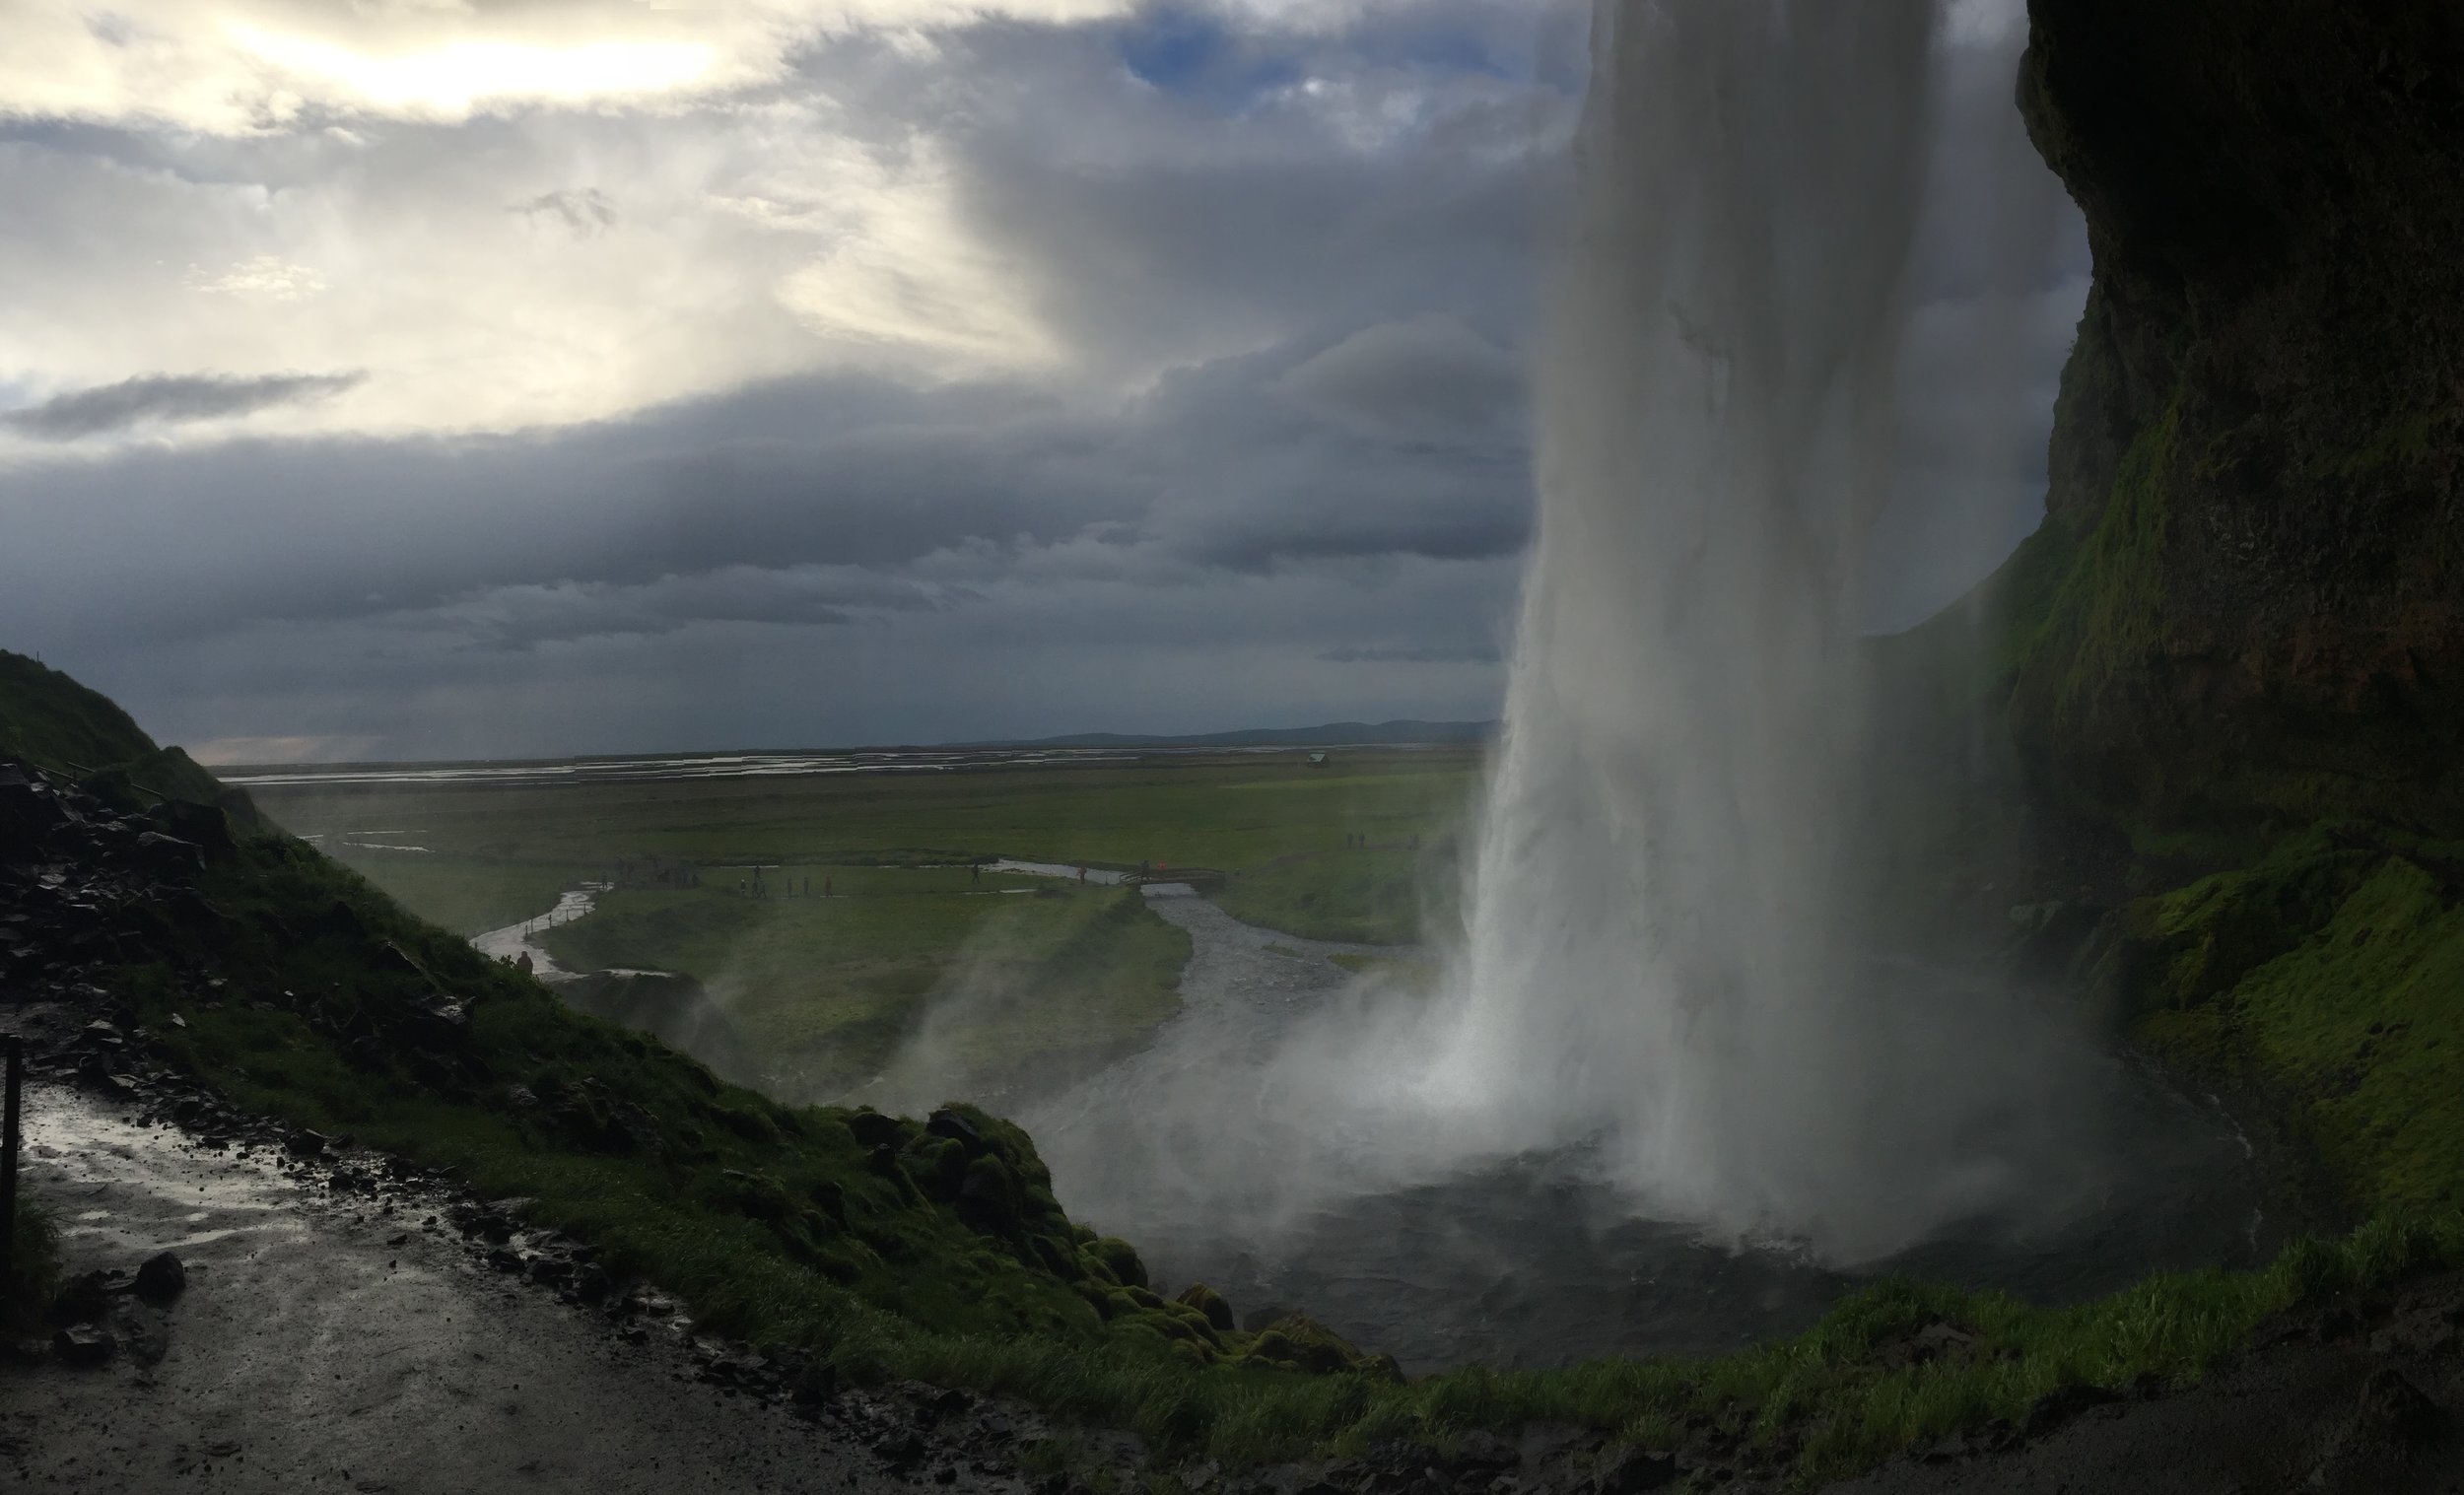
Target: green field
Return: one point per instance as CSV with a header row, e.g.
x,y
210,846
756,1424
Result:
x,y
915,949
826,990
1234,812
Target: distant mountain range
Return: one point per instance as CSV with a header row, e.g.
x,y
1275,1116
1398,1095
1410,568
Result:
x,y
1332,734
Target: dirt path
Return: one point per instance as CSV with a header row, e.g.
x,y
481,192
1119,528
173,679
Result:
x,y
321,1345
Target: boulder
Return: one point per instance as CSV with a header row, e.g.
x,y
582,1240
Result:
x,y
1119,1259
161,1278
84,1344
946,1123
873,1130
1208,1301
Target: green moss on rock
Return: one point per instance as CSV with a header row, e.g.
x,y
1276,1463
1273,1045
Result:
x,y
1119,1260
2334,982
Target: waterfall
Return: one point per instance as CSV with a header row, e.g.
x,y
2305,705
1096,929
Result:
x,y
1658,987
1654,957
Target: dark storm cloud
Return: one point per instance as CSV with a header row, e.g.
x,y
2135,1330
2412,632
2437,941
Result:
x,y
515,540
1418,654
163,399
526,616
1430,379
251,532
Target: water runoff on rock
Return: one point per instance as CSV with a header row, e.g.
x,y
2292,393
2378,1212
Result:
x,y
1657,1012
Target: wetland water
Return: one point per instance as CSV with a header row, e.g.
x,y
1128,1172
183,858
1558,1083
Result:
x,y
1190,1150
517,940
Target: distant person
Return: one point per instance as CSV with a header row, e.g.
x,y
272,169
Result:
x,y
521,962
825,887
975,871
1081,874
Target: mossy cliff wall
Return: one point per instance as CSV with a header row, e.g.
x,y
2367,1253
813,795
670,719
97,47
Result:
x,y
2246,608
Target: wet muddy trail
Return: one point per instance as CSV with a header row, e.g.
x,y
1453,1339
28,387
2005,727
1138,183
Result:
x,y
327,1340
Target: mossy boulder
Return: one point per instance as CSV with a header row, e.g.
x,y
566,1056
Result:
x,y
1296,1342
1209,1304
1117,1259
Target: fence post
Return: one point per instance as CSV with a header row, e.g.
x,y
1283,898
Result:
x,y
15,1048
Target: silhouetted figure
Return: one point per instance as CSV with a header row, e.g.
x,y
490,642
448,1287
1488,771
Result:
x,y
521,962
825,887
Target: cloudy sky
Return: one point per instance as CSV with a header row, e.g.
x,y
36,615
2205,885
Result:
x,y
443,378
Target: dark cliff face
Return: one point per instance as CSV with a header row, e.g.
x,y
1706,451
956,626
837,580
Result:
x,y
2246,605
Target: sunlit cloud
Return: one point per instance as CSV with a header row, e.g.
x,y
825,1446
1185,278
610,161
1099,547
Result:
x,y
254,66
904,276
453,80
266,276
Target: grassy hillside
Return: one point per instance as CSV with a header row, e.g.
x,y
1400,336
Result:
x,y
49,719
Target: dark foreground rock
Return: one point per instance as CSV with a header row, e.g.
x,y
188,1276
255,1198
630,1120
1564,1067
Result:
x,y
2354,1398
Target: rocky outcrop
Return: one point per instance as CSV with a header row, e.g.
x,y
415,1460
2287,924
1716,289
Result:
x,y
2246,605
